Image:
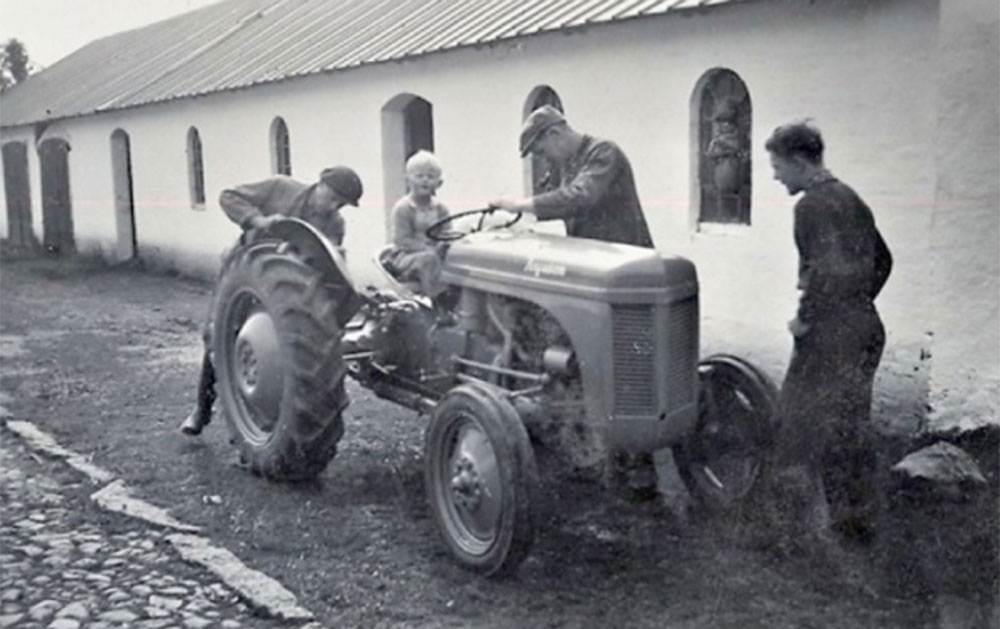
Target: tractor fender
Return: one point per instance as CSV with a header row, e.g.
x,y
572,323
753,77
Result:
x,y
317,251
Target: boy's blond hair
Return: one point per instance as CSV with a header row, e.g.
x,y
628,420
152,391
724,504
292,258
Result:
x,y
423,159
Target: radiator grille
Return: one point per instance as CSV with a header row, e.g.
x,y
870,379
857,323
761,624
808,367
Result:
x,y
633,360
655,357
681,353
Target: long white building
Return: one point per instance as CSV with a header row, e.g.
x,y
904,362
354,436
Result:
x,y
123,147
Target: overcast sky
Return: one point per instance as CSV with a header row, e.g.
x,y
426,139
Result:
x,y
52,29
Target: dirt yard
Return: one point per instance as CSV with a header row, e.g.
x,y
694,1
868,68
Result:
x,y
106,360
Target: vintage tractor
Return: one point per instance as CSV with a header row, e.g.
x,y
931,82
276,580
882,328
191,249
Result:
x,y
586,346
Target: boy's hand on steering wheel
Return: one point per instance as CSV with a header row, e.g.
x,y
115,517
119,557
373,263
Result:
x,y
502,203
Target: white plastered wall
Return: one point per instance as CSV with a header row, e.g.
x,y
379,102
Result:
x,y
965,385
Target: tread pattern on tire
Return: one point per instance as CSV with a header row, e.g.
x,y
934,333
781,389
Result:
x,y
305,437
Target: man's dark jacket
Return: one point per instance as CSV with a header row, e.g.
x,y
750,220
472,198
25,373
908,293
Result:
x,y
279,195
598,198
843,260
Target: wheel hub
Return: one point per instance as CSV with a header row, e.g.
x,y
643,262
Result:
x,y
466,484
247,366
472,487
258,366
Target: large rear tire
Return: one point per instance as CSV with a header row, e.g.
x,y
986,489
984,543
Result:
x,y
481,480
728,451
276,346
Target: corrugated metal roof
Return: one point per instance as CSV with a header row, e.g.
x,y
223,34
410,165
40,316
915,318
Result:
x,y
239,43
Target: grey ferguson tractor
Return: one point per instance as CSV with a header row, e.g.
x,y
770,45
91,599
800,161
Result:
x,y
588,346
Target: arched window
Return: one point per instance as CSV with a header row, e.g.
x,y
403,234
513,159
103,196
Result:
x,y
721,118
281,150
542,174
196,169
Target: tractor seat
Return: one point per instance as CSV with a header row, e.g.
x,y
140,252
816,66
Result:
x,y
383,258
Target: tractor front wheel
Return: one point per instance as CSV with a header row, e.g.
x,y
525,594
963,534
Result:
x,y
727,453
481,479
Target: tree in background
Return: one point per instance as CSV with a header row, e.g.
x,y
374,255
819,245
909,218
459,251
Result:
x,y
14,63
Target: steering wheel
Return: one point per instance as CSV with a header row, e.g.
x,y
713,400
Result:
x,y
436,231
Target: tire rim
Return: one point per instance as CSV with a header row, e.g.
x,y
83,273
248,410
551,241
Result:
x,y
728,445
256,368
469,488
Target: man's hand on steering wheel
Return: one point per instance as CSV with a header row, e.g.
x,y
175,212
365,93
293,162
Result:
x,y
505,204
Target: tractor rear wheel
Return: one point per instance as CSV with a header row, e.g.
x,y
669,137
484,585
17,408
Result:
x,y
727,453
276,346
481,479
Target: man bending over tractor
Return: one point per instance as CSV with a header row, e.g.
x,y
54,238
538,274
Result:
x,y
597,198
255,206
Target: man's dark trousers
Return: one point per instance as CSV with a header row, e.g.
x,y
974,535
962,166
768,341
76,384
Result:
x,y
825,407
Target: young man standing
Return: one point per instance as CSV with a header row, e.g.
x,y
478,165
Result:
x,y
825,459
258,205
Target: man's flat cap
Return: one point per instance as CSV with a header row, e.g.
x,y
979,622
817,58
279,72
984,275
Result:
x,y
344,181
538,123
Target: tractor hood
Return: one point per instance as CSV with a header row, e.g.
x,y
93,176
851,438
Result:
x,y
577,266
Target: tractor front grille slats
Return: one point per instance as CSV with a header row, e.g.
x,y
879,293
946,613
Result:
x,y
634,350
682,353
655,353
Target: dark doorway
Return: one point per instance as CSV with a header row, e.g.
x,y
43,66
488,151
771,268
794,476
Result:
x,y
196,169
722,106
17,189
544,174
418,120
57,211
121,172
407,127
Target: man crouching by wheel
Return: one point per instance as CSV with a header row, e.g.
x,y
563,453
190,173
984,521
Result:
x,y
256,206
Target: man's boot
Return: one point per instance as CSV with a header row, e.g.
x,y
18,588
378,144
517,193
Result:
x,y
202,414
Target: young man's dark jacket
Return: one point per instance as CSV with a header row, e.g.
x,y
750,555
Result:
x,y
598,198
843,260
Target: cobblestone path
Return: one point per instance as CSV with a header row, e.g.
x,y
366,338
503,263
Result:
x,y
64,564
